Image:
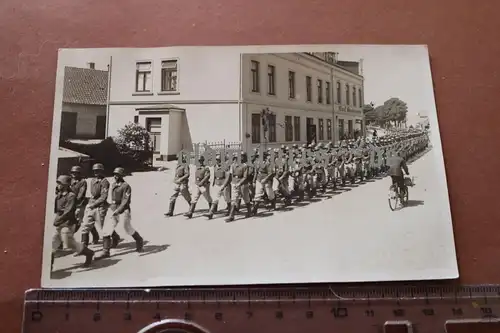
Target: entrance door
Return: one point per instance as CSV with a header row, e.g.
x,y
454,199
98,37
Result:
x,y
68,125
311,131
341,129
350,128
100,127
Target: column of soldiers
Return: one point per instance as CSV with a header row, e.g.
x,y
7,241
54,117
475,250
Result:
x,y
92,215
287,173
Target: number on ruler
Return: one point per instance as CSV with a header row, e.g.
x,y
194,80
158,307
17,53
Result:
x,y
249,314
97,316
457,311
279,314
188,316
36,316
486,311
428,312
127,316
157,316
370,313
399,312
309,314
218,316
340,312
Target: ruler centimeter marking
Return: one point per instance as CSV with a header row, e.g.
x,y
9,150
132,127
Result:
x,y
319,309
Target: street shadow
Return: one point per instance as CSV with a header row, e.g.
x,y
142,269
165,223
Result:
x,y
153,249
315,199
63,253
99,264
60,274
414,203
284,209
300,204
263,215
96,264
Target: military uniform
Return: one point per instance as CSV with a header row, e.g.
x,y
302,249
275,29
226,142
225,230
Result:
x,y
264,184
121,197
97,208
65,220
221,187
239,187
181,180
282,170
202,175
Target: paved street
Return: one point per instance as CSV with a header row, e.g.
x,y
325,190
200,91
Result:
x,y
351,235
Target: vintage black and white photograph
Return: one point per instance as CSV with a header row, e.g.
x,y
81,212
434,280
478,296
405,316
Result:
x,y
184,166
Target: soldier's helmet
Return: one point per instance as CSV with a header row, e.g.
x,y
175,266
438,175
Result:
x,y
119,171
283,147
98,167
295,146
319,145
304,146
64,180
76,169
218,157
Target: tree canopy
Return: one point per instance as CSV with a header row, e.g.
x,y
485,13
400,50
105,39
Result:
x,y
390,114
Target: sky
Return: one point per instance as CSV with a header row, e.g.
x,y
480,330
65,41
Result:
x,y
395,71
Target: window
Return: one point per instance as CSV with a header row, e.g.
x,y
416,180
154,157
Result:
x,y
329,129
169,75
255,76
338,93
360,98
341,129
347,95
136,119
153,125
328,93
143,77
350,127
256,128
320,91
291,84
271,70
271,134
296,128
288,128
321,130
309,88
92,65
354,99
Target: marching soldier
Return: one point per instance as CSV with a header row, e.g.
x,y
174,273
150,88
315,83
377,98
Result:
x,y
97,208
264,183
202,186
221,186
282,172
65,220
181,180
79,187
239,186
121,193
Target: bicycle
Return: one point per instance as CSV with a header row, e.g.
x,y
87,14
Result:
x,y
399,195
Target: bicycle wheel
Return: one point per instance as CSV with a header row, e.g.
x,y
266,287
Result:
x,y
393,198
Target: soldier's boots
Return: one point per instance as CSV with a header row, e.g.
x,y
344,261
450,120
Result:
x,y
89,256
288,200
139,242
171,207
273,204
85,243
255,208
212,211
115,240
238,205
228,209
106,247
190,213
249,210
232,212
95,235
301,196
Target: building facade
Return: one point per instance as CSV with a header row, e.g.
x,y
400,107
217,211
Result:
x,y
84,103
183,97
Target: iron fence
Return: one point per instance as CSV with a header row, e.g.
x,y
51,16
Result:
x,y
218,147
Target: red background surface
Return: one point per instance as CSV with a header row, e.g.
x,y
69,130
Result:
x,y
463,42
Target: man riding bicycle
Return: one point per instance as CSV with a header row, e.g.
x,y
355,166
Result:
x,y
397,165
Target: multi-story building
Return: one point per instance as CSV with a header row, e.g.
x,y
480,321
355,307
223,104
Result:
x,y
218,95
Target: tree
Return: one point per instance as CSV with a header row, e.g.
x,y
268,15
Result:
x,y
134,141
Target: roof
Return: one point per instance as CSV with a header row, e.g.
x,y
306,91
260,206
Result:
x,y
85,86
160,107
66,153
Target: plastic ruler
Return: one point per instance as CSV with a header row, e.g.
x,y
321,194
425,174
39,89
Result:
x,y
319,309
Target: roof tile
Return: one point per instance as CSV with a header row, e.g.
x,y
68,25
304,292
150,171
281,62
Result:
x,y
85,86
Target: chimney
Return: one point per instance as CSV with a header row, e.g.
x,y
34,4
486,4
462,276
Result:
x,y
360,70
92,65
